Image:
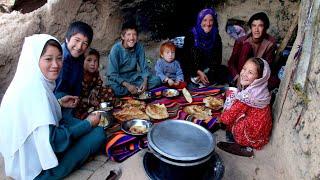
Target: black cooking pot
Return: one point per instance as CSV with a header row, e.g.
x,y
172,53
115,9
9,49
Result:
x,y
181,150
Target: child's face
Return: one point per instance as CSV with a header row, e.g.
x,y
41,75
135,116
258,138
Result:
x,y
91,63
50,63
248,73
129,38
168,55
77,44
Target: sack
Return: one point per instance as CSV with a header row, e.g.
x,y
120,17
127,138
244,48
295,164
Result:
x,y
178,41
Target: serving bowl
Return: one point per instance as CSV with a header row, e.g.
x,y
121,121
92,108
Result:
x,y
106,118
169,93
136,127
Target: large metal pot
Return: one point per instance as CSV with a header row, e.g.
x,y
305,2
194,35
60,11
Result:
x,y
180,150
181,142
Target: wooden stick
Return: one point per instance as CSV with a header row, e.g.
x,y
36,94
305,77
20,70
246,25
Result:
x,y
286,38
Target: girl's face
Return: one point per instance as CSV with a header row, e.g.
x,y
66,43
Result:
x,y
207,23
248,73
78,44
50,63
129,38
168,55
91,63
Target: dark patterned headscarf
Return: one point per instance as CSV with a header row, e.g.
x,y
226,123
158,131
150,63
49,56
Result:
x,y
205,41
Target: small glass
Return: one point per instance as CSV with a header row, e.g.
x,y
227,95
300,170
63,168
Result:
x,y
106,106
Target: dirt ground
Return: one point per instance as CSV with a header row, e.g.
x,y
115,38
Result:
x,y
236,167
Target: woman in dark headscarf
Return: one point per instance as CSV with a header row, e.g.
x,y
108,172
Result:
x,y
202,49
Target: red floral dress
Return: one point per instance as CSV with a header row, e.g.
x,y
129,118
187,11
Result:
x,y
92,94
250,126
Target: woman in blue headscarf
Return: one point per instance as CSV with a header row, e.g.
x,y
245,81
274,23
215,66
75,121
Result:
x,y
202,49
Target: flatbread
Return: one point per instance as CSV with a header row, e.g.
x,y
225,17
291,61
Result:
x,y
157,111
187,95
213,102
134,103
138,129
103,121
199,112
128,113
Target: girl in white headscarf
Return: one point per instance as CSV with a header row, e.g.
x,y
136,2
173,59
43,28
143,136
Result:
x,y
37,141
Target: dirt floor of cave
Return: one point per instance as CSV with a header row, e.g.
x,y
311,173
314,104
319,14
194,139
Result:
x,y
236,167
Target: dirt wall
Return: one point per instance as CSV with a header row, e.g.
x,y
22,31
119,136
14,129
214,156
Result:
x,y
54,18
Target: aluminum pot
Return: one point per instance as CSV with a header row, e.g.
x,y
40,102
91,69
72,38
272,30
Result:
x,y
179,149
181,142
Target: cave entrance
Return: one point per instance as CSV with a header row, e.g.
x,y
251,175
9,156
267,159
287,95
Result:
x,y
167,18
26,6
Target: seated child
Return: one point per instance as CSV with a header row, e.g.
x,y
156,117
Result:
x,y
128,71
93,92
248,116
167,68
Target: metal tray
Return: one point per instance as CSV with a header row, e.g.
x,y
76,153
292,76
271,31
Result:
x,y
170,93
145,96
125,126
107,118
181,140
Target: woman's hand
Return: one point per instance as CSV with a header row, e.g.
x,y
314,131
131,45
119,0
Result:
x,y
203,77
69,101
94,119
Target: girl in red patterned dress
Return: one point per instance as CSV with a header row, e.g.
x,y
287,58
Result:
x,y
248,116
93,91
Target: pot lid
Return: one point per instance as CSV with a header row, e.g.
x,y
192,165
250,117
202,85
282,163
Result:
x,y
181,140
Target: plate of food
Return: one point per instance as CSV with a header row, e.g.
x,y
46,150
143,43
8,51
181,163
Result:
x,y
213,102
199,112
157,111
170,93
145,96
136,127
134,103
106,118
128,113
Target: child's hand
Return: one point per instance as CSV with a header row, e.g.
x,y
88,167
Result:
x,y
144,86
177,83
131,88
170,82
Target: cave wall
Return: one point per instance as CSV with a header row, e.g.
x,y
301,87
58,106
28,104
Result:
x,y
296,134
280,14
157,21
54,18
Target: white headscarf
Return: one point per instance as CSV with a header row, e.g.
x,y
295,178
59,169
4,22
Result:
x,y
27,109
